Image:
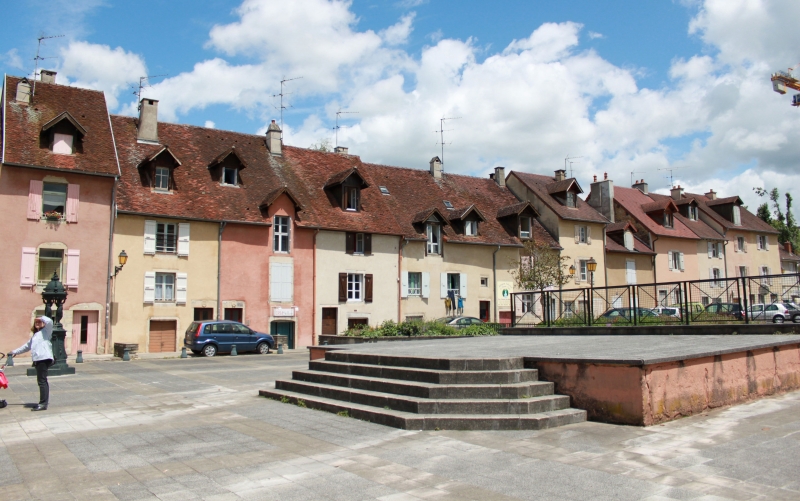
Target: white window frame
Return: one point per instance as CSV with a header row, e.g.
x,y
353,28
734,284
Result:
x,y
471,228
692,212
358,244
740,244
454,283
355,287
583,269
716,276
165,287
281,234
43,280
434,232
582,234
226,171
484,281
742,271
762,242
351,196
52,194
522,223
414,283
669,221
570,200
164,247
161,178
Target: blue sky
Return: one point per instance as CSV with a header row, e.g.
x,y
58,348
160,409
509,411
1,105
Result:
x,y
630,86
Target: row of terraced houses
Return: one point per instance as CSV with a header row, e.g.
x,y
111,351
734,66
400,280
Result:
x,y
219,224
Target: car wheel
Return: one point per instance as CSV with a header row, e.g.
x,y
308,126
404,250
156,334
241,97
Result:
x,y
778,319
263,348
796,319
209,350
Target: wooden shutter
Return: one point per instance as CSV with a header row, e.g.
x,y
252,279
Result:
x,y
710,249
73,267
73,197
462,282
349,243
577,276
630,271
150,237
35,200
403,284
342,287
367,244
745,245
27,274
368,288
426,284
588,234
766,242
577,234
183,239
443,286
669,257
680,260
719,250
180,287
149,286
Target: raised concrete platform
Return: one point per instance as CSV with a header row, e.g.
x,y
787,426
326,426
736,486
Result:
x,y
638,380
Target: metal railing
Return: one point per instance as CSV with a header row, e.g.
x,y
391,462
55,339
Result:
x,y
755,299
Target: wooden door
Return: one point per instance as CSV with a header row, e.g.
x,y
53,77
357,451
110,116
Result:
x,y
84,331
163,334
329,321
484,308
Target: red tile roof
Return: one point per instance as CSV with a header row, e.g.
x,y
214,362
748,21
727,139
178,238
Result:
x,y
24,123
632,201
698,227
639,247
727,200
540,185
622,226
788,256
749,221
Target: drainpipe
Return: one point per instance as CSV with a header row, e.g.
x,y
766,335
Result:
x,y
494,283
314,291
112,218
219,268
402,246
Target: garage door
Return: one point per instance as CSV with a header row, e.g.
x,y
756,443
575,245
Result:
x,y
162,335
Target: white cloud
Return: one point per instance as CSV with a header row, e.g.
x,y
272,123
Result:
x,y
398,34
593,35
11,58
209,125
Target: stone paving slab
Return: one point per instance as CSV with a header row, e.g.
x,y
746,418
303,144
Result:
x,y
196,429
628,350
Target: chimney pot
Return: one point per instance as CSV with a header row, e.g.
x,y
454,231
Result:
x,y
47,76
602,197
436,168
148,120
500,176
605,175
641,186
23,91
787,246
342,150
274,141
595,178
711,194
491,175
561,175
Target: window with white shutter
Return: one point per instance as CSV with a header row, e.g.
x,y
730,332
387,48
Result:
x,y
183,239
281,283
150,237
181,280
149,286
630,271
463,283
426,284
73,268
27,274
443,285
404,284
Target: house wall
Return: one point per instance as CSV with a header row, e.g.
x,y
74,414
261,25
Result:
x,y
473,260
662,246
706,264
585,251
89,235
382,264
547,217
616,268
131,316
752,258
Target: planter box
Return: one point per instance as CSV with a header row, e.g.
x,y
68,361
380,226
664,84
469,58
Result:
x,y
119,349
333,339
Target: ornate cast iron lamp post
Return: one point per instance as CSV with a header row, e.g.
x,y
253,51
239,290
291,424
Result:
x,y
54,294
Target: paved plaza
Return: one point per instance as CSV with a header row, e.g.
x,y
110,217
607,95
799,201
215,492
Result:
x,y
196,429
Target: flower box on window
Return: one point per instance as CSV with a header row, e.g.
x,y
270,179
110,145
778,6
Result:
x,y
52,215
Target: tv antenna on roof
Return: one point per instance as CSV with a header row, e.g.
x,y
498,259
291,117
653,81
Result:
x,y
637,172
441,132
281,94
670,169
142,85
40,58
340,112
567,159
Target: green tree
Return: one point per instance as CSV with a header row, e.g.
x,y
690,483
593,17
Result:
x,y
540,266
323,144
785,223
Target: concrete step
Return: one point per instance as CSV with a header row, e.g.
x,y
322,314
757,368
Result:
x,y
426,405
411,421
427,390
426,375
433,363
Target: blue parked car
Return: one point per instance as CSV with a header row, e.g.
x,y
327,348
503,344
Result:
x,y
210,337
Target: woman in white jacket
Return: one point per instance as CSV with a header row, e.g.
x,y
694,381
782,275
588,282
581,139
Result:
x,y
41,350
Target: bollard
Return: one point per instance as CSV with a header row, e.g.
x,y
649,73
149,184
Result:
x,y
233,351
79,358
183,353
10,362
280,348
126,355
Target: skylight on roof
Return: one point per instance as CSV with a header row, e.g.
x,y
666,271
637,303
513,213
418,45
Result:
x,y
447,204
384,190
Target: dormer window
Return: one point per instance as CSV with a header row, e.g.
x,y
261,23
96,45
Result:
x,y
737,215
63,134
628,239
471,228
691,213
570,199
667,219
226,168
62,144
345,188
158,169
434,232
162,178
351,195
230,176
524,227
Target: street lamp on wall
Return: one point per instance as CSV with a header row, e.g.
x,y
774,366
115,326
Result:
x,y
572,271
123,258
591,266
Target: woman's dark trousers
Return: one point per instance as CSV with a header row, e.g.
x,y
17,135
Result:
x,y
41,379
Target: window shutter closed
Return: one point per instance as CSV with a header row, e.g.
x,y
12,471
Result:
x,y
35,200
462,282
588,234
27,275
766,243
443,285
577,234
180,287
426,284
404,284
368,288
73,197
367,244
577,271
183,239
744,248
680,260
669,257
149,286
349,242
343,287
73,267
281,282
149,237
710,249
719,250
630,271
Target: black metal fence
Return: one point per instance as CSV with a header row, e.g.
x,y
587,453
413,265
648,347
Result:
x,y
770,298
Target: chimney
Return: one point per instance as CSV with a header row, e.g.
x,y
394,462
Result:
x,y
148,120
47,76
602,197
561,175
491,176
712,194
787,246
23,91
274,142
436,168
500,176
676,192
641,186
342,150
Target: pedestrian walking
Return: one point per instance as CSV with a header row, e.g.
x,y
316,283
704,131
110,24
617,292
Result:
x,y
41,350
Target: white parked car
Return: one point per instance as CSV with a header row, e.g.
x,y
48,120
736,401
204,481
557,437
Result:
x,y
668,311
775,312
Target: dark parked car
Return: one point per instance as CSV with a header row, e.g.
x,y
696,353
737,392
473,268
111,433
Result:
x,y
219,336
459,322
734,310
615,313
